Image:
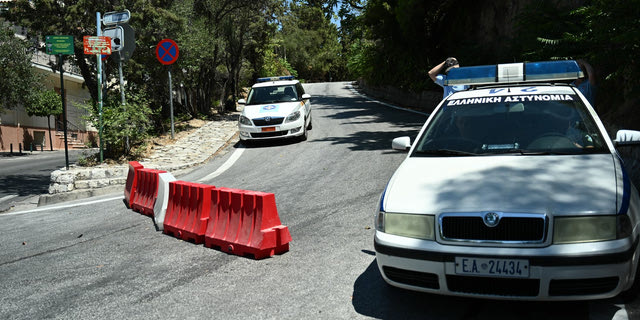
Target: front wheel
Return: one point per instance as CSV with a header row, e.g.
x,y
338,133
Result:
x,y
305,134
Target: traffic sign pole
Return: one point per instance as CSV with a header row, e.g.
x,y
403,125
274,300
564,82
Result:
x,y
167,53
64,111
99,59
171,102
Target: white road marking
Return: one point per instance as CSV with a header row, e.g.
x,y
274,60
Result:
x,y
225,166
48,208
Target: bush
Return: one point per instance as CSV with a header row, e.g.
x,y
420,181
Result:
x,y
132,121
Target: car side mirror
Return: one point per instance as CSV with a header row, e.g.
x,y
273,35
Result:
x,y
401,143
306,96
242,101
627,138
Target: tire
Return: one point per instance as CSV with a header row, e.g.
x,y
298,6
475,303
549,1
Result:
x,y
305,134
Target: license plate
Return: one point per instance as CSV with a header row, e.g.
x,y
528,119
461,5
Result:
x,y
507,268
268,129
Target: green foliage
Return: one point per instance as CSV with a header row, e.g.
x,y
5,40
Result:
x,y
19,83
310,41
605,33
132,121
47,103
274,66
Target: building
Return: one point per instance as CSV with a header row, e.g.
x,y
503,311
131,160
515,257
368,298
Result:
x,y
18,131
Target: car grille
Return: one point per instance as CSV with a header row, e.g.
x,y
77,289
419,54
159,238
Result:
x,y
267,121
515,228
494,286
413,278
269,134
575,287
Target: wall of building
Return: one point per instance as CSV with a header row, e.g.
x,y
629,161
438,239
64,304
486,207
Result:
x,y
17,128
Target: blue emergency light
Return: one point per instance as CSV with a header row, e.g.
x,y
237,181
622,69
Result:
x,y
514,73
276,78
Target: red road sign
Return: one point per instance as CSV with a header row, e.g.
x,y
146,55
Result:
x,y
96,45
167,51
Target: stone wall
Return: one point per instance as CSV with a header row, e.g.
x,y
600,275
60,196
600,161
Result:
x,y
78,178
425,101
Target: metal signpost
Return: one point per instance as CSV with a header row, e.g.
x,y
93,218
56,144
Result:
x,y
61,45
123,43
102,46
99,46
167,53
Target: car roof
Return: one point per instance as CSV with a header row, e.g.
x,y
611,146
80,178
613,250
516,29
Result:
x,y
275,83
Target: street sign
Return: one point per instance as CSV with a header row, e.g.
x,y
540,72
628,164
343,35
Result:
x,y
117,37
96,45
167,51
59,44
113,18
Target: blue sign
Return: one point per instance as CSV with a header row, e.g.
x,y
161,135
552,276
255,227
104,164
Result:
x,y
167,51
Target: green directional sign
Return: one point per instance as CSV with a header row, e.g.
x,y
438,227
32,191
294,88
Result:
x,y
59,44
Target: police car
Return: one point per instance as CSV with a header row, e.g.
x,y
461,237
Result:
x,y
512,190
276,107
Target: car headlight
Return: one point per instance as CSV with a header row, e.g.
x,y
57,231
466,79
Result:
x,y
293,116
244,120
590,229
418,226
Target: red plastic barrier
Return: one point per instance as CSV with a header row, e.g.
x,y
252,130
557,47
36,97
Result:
x,y
132,179
187,210
246,223
146,191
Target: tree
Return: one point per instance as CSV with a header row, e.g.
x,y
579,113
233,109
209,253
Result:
x,y
311,41
132,122
19,83
47,104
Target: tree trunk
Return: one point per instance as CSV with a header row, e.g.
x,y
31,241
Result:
x,y
50,139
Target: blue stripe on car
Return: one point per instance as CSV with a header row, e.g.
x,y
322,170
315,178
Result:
x,y
626,192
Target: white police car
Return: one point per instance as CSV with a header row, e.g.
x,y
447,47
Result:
x,y
276,107
512,190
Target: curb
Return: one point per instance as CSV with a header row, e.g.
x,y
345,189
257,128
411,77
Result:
x,y
116,184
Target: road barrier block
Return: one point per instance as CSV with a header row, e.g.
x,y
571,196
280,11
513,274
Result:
x,y
246,223
188,210
160,207
146,191
132,179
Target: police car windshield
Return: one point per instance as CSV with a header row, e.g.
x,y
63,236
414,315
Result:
x,y
537,124
273,94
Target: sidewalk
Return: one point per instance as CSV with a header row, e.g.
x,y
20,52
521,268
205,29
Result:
x,y
177,157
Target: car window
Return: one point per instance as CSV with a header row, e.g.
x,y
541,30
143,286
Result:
x,y
532,124
300,89
274,94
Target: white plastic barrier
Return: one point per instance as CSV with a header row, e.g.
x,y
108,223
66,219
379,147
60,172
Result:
x,y
160,207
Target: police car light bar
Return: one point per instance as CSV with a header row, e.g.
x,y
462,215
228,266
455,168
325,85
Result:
x,y
515,73
275,78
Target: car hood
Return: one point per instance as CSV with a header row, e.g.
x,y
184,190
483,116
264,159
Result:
x,y
280,109
558,185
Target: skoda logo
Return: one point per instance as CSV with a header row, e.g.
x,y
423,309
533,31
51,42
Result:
x,y
491,219
267,119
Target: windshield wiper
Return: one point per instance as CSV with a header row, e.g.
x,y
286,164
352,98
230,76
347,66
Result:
x,y
445,152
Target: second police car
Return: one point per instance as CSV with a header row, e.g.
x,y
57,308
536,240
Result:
x,y
276,107
512,190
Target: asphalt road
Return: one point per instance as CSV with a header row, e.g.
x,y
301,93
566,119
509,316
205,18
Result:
x,y
95,259
28,174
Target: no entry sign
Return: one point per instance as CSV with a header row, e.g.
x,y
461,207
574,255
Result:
x,y
167,51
